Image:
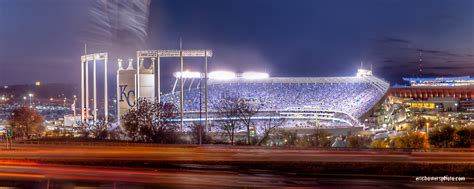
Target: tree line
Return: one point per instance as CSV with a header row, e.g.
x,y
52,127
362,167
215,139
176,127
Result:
x,y
157,122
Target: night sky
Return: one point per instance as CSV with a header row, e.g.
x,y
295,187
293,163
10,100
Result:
x,y
43,39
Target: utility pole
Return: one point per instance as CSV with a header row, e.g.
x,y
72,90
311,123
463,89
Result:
x,y
181,92
200,111
206,91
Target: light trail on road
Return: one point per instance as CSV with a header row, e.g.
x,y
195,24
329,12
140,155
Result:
x,y
227,153
207,166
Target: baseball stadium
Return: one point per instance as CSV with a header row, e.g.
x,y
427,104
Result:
x,y
300,101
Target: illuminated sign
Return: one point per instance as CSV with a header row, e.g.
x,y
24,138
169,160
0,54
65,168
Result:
x,y
422,105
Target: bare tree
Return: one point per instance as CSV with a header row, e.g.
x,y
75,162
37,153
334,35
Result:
x,y
267,128
199,135
115,132
247,110
358,141
442,136
411,139
130,125
99,130
26,122
287,138
320,138
228,109
82,130
151,122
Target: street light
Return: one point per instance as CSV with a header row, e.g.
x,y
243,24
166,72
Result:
x,y
30,95
427,129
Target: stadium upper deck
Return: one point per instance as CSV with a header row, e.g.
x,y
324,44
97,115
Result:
x,y
376,82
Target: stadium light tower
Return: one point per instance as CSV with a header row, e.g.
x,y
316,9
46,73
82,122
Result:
x,y
187,74
181,53
222,75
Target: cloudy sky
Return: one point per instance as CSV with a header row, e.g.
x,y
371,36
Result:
x,y
43,39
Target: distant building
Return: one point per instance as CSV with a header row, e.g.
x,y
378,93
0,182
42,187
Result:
x,y
71,121
446,93
440,81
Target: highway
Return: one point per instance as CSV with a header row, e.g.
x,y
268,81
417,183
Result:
x,y
225,153
138,166
57,176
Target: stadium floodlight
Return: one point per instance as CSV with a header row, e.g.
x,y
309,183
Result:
x,y
255,75
187,74
222,75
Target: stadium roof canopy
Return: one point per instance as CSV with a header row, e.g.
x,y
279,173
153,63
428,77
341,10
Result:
x,y
278,80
